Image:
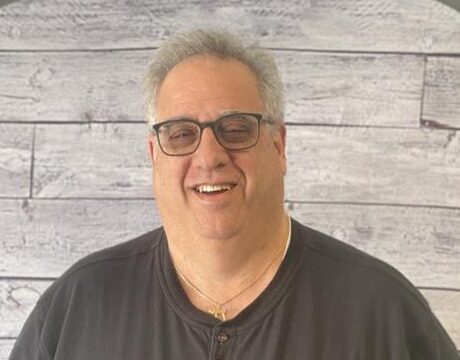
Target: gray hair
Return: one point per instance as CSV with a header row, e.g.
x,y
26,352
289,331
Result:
x,y
221,44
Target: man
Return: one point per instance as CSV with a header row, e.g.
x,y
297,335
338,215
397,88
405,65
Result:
x,y
230,275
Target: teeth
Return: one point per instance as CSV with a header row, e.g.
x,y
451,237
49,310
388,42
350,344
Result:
x,y
206,188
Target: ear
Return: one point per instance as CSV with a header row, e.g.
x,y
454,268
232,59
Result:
x,y
279,140
151,149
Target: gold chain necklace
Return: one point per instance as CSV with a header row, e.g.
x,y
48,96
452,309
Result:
x,y
219,311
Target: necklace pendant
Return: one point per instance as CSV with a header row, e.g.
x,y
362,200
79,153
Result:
x,y
218,313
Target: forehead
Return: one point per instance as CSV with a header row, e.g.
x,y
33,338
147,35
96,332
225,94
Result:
x,y
206,86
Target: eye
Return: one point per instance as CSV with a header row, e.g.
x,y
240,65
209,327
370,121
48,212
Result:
x,y
237,128
181,134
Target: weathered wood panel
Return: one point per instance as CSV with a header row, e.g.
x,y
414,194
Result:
x,y
15,159
105,86
359,25
18,297
441,105
43,238
80,86
351,89
392,166
396,166
423,243
98,160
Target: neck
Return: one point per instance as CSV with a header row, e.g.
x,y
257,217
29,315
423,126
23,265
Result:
x,y
221,269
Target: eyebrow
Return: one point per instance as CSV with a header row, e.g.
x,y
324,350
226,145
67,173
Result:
x,y
177,117
189,117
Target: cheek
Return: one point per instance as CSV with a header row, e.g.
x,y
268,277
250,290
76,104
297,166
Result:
x,y
253,167
269,166
168,175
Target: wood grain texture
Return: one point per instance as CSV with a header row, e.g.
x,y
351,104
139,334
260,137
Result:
x,y
105,86
441,103
98,160
80,86
18,297
369,90
423,243
15,159
392,166
358,25
43,238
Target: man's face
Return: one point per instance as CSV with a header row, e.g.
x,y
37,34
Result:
x,y
203,88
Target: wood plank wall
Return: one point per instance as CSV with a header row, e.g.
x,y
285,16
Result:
x,y
373,113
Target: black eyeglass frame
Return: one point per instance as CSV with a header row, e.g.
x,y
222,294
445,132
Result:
x,y
211,124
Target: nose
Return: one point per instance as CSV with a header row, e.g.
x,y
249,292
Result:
x,y
210,154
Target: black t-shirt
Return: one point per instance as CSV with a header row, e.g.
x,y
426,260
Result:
x,y
327,301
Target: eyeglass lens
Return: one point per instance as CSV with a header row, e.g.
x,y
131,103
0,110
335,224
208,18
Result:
x,y
233,132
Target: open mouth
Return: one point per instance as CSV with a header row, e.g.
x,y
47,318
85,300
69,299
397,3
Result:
x,y
213,188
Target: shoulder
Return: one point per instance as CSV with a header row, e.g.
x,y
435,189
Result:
x,y
365,275
106,266
122,254
124,251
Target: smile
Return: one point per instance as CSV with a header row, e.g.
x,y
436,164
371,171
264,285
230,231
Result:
x,y
213,188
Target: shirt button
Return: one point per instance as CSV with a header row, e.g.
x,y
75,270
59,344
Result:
x,y
222,337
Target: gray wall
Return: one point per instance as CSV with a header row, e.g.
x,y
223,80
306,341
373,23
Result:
x,y
373,92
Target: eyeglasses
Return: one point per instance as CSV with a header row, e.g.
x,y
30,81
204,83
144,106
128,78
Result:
x,y
235,131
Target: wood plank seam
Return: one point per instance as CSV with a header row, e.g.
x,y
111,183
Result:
x,y
288,202
280,49
32,158
422,98
291,203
